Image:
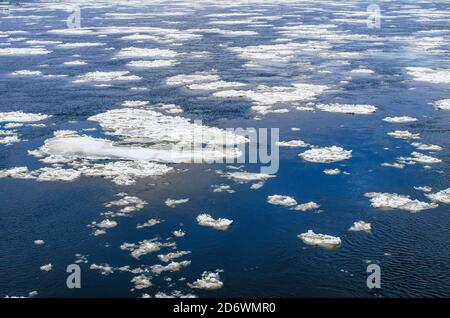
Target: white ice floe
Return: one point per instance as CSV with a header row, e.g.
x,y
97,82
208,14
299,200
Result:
x,y
135,103
332,172
362,71
208,281
105,224
155,53
174,294
104,269
442,104
46,268
421,158
23,51
426,147
171,267
43,174
441,196
424,74
148,223
322,240
326,154
39,242
27,73
360,226
144,247
395,165
221,224
98,76
306,206
74,63
283,200
196,78
21,117
390,201
347,108
178,233
174,202
404,134
222,188
244,177
172,255
400,119
141,281
423,188
292,144
152,64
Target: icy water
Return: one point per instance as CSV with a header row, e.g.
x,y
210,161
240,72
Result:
x,y
275,44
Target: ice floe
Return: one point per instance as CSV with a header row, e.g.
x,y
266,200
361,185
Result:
x,y
98,76
23,51
172,203
404,134
332,172
104,269
172,255
441,196
326,154
360,226
442,104
306,206
424,74
390,201
132,52
283,200
39,242
152,64
221,224
21,117
27,73
208,281
148,223
426,147
321,240
171,267
347,108
292,144
400,119
222,188
178,233
46,268
141,281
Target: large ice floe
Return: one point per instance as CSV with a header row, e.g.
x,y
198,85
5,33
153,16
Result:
x,y
208,281
347,108
23,51
321,240
221,224
424,74
326,154
442,104
21,117
391,201
441,196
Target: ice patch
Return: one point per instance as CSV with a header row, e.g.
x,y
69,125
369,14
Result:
x,y
360,226
208,281
282,200
441,196
424,74
404,134
171,267
347,108
98,76
400,120
132,52
221,224
332,172
148,223
21,117
292,144
326,154
442,104
306,206
426,147
172,203
388,201
152,64
170,256
27,73
321,240
46,268
23,51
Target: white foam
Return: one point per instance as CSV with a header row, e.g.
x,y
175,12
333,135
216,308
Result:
x,y
321,240
326,154
355,109
75,63
76,45
221,224
208,281
360,226
390,201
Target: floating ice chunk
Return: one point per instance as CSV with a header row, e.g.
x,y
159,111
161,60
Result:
x,y
326,154
178,233
105,224
423,188
295,129
75,63
244,177
104,269
131,52
16,173
322,240
362,71
214,85
23,51
360,226
388,201
442,104
152,64
283,200
426,147
306,206
424,74
141,281
46,268
208,281
171,267
7,140
98,76
174,202
222,188
199,77
76,45
292,144
170,256
404,134
347,108
144,247
221,224
135,103
421,158
149,223
400,119
332,172
21,117
39,242
393,165
27,73
56,174
174,294
441,196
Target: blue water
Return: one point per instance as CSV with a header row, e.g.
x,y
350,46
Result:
x,y
260,254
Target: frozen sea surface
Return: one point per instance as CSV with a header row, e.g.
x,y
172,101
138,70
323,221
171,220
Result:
x,y
313,65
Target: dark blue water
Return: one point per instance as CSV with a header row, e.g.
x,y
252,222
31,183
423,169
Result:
x,y
260,254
